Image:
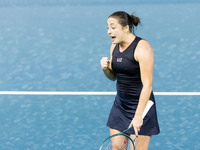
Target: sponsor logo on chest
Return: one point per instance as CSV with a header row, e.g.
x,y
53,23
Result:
x,y
119,59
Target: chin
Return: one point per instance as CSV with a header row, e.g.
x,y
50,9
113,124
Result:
x,y
115,42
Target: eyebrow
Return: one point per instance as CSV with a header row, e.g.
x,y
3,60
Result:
x,y
112,24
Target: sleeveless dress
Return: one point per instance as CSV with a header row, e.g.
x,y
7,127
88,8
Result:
x,y
129,87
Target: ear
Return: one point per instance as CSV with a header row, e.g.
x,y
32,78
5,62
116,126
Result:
x,y
126,29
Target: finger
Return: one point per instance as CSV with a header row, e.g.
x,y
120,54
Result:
x,y
130,125
104,61
136,131
105,58
105,64
108,62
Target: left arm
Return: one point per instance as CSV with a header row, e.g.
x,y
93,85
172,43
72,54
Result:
x,y
144,55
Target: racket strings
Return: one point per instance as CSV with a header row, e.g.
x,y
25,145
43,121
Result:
x,y
117,143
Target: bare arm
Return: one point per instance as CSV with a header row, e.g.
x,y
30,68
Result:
x,y
144,55
106,65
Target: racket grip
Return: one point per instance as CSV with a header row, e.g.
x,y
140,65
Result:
x,y
148,106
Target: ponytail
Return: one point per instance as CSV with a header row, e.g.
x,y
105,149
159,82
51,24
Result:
x,y
135,20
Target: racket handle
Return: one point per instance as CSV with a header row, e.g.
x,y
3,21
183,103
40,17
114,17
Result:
x,y
148,106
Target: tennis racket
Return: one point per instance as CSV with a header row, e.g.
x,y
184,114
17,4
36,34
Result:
x,y
122,141
115,142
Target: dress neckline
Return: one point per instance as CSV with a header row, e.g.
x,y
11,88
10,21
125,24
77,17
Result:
x,y
128,46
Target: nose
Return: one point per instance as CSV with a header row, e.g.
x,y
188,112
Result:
x,y
109,32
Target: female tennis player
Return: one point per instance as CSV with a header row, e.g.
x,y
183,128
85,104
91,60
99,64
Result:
x,y
131,64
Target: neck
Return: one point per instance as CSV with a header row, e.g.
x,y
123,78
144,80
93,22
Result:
x,y
126,42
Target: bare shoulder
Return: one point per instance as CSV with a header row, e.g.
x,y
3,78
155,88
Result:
x,y
112,47
111,52
143,50
144,45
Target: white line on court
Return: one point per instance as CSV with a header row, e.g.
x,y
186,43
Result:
x,y
84,93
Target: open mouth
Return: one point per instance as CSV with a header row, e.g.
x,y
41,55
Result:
x,y
113,38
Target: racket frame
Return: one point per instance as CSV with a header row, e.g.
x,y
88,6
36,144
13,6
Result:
x,y
121,133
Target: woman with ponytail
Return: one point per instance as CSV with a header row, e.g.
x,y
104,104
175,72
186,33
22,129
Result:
x,y
131,64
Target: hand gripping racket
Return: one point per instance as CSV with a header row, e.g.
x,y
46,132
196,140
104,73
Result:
x,y
115,142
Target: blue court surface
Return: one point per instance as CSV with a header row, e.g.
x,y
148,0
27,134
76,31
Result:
x,y
57,46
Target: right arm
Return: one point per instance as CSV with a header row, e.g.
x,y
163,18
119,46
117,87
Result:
x,y
106,65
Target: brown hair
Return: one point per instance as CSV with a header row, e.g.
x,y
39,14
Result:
x,y
125,19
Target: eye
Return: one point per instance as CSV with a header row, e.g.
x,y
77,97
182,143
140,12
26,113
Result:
x,y
111,27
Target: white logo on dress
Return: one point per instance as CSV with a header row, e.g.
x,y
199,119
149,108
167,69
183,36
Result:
x,y
119,59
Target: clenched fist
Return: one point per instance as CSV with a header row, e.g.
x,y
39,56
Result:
x,y
105,62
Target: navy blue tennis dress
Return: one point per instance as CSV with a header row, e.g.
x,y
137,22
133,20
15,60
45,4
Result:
x,y
129,87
